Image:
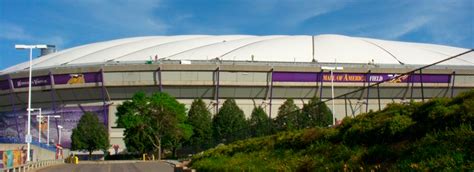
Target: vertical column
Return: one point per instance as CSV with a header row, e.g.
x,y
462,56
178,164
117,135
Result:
x,y
412,75
452,84
321,85
367,78
216,96
53,101
316,81
53,92
422,88
271,93
104,111
345,104
378,95
12,101
158,79
408,87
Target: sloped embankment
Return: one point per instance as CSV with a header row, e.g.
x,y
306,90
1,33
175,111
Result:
x,y
436,135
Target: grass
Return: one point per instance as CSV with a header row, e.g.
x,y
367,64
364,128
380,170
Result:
x,y
432,136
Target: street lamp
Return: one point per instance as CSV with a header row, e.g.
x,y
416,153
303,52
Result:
x,y
47,123
59,139
39,122
330,68
28,135
54,116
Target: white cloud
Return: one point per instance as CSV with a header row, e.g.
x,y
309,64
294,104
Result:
x,y
125,16
310,9
406,27
15,32
295,12
438,22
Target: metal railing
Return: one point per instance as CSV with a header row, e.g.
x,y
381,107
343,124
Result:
x,y
33,165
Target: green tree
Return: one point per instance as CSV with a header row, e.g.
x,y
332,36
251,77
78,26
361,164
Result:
x,y
153,122
90,135
287,118
201,120
229,124
316,113
260,123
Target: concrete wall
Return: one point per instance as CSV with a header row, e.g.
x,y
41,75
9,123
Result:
x,y
38,152
248,84
190,81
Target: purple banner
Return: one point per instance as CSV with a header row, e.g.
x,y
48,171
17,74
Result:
x,y
4,85
359,77
35,81
79,78
15,124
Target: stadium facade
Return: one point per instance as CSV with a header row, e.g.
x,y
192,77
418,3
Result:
x,y
254,70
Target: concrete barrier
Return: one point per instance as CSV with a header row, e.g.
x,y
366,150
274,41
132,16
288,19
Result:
x,y
39,153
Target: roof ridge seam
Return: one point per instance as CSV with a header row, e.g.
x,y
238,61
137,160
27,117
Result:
x,y
36,61
238,48
171,56
85,46
201,36
104,49
380,47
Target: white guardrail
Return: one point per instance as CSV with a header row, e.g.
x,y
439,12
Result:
x,y
32,165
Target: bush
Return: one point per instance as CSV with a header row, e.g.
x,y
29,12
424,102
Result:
x,y
375,128
229,124
432,136
449,149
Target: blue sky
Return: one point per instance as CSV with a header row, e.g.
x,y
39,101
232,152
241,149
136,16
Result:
x,y
68,23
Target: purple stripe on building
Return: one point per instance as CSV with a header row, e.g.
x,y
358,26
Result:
x,y
431,78
35,81
78,78
4,85
358,77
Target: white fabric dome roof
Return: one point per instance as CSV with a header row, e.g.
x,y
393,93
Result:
x,y
276,48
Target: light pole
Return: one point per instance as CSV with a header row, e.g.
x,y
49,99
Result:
x,y
28,135
47,137
330,68
39,117
59,139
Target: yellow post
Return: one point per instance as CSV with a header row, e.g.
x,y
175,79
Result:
x,y
76,160
144,156
153,157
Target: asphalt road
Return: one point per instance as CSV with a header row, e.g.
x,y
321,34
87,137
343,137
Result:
x,y
111,167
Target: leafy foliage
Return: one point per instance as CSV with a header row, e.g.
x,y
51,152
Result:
x,y
376,128
229,124
432,136
287,118
316,113
200,119
154,121
260,123
90,135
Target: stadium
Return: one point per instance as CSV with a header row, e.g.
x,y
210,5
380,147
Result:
x,y
254,70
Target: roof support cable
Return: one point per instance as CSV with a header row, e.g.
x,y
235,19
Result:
x,y
402,75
